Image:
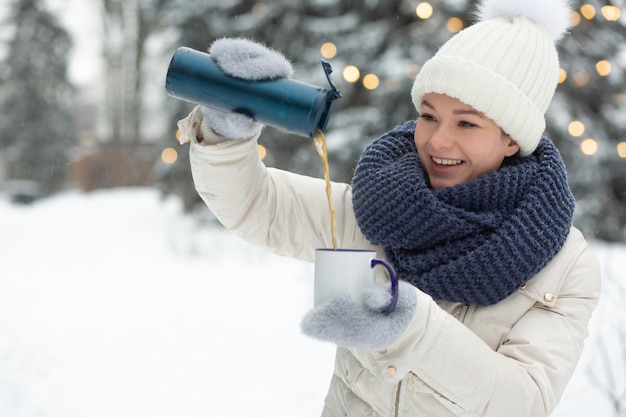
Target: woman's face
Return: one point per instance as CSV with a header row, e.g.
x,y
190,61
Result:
x,y
456,143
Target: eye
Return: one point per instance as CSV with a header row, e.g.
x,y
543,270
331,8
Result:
x,y
427,117
464,123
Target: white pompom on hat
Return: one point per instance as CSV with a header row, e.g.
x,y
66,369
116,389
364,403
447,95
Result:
x,y
505,66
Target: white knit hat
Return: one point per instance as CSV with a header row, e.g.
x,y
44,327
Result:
x,y
506,66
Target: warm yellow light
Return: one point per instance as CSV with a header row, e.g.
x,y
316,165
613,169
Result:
x,y
412,71
576,128
575,18
262,151
603,67
454,24
259,10
392,84
424,10
87,137
621,149
328,50
562,75
588,11
351,74
620,98
589,146
581,79
371,81
611,13
178,137
169,155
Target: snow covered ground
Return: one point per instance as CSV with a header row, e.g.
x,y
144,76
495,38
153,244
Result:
x,y
115,303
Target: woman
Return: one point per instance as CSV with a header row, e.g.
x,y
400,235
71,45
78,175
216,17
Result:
x,y
469,203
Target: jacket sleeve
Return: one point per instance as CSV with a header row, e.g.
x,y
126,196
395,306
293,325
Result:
x,y
524,377
280,211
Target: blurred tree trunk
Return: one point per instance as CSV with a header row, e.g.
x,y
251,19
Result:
x,y
122,49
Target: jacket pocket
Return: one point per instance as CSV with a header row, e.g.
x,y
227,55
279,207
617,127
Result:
x,y
425,400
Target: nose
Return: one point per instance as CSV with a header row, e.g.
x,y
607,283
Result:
x,y
441,138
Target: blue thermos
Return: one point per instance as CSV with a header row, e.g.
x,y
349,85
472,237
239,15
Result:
x,y
283,103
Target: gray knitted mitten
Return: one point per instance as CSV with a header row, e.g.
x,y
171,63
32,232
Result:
x,y
346,323
248,60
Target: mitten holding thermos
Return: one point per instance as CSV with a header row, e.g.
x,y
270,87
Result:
x,y
247,60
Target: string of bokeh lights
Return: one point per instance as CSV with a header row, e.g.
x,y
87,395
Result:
x,y
424,11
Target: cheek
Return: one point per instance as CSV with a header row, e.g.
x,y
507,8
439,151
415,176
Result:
x,y
420,144
418,139
486,158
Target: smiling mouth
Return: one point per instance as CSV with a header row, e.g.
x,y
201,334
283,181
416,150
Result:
x,y
446,162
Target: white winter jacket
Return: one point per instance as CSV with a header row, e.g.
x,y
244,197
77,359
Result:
x,y
511,359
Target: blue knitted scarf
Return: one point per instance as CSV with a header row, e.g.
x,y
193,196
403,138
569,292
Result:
x,y
474,243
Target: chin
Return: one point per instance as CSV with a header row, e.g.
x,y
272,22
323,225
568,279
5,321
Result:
x,y
446,182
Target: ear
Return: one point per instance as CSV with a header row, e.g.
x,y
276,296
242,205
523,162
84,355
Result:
x,y
512,147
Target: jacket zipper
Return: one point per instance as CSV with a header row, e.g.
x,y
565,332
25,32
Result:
x,y
398,399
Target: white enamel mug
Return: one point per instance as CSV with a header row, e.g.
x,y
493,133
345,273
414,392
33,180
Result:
x,y
349,272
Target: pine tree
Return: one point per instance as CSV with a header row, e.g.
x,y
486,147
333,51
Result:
x,y
35,123
391,40
377,37
586,120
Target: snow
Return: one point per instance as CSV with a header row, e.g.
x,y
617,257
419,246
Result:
x,y
116,303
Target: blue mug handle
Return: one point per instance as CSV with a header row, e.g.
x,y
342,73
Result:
x,y
394,284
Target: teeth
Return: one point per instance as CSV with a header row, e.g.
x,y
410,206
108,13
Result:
x,y
446,161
